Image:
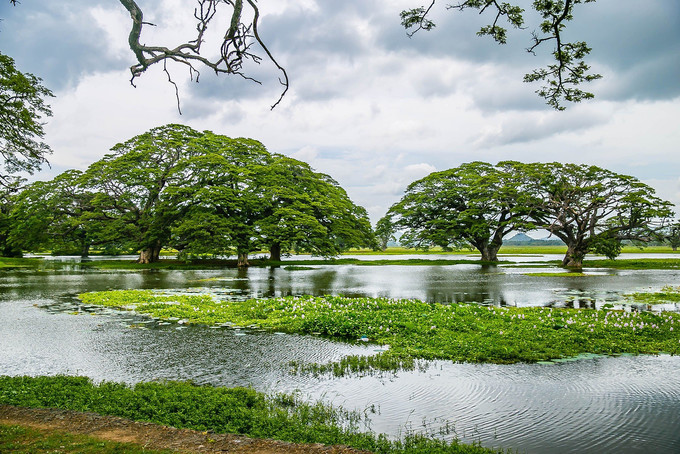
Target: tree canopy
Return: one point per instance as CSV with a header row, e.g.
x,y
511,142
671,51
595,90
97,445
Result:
x,y
198,192
589,208
476,204
22,109
561,79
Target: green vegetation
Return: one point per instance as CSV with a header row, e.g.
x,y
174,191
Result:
x,y
634,264
666,295
23,440
196,192
15,262
415,330
590,209
473,204
222,410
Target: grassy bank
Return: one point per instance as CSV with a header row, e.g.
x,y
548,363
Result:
x,y
415,330
171,264
23,440
221,410
11,262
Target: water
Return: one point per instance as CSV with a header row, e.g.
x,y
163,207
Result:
x,y
604,405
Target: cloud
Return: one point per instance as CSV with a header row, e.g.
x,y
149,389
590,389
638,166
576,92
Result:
x,y
367,105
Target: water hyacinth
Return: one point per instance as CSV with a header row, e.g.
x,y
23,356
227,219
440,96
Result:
x,y
417,330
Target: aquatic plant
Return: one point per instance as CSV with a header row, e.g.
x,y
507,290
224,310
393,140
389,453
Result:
x,y
413,330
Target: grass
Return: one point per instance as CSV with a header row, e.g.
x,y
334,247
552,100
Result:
x,y
221,410
23,440
11,262
171,264
634,264
415,330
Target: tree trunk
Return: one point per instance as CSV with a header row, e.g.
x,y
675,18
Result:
x,y
489,252
150,254
85,249
243,259
275,252
574,256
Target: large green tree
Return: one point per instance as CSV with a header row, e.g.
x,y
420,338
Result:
x,y
8,193
476,204
238,197
561,79
589,208
22,111
51,215
220,194
128,187
671,235
309,212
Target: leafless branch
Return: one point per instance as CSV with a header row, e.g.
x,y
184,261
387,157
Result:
x,y
235,49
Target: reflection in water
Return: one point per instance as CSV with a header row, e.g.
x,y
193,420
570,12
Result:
x,y
604,405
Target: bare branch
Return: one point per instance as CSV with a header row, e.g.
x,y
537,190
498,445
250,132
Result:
x,y
235,49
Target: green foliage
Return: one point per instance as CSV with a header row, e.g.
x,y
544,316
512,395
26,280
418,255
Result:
x,y
222,410
128,187
589,208
24,440
416,330
671,235
667,295
50,216
201,193
476,203
563,78
22,109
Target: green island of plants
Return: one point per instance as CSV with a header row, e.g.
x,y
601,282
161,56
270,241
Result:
x,y
413,330
222,410
667,295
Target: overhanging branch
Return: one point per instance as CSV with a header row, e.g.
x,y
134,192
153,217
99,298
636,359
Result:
x,y
235,48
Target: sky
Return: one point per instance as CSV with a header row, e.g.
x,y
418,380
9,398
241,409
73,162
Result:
x,y
367,105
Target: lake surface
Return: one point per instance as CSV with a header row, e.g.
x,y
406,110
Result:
x,y
604,405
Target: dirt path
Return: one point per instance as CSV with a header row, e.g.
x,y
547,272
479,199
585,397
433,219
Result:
x,y
154,436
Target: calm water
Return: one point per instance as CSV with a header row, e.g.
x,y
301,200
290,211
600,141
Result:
x,y
603,405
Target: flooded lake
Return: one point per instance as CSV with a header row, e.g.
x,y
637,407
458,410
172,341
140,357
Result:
x,y
604,405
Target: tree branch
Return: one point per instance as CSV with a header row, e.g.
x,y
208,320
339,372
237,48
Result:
x,y
234,50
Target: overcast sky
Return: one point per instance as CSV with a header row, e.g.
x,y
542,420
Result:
x,y
367,105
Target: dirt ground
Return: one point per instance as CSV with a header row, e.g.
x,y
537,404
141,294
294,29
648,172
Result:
x,y
154,436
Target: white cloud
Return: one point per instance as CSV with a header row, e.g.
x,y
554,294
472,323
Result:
x,y
367,105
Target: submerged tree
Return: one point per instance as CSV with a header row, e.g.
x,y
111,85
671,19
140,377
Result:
x,y
591,209
476,203
22,109
561,79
